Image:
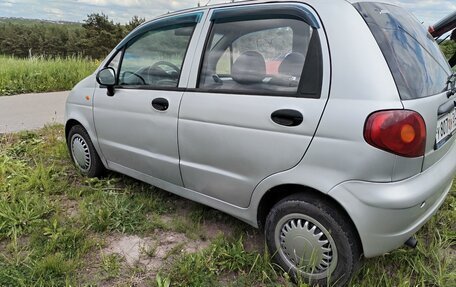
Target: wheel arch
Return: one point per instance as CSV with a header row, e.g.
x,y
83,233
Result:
x,y
71,122
277,193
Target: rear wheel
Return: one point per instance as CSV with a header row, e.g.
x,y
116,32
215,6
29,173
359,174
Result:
x,y
311,240
83,153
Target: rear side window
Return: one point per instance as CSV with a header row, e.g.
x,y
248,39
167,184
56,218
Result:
x,y
416,62
261,56
273,44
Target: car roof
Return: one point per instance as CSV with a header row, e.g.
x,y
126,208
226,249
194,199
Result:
x,y
250,2
231,4
198,10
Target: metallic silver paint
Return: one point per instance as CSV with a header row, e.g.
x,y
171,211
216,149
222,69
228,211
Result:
x,y
77,108
228,143
135,135
381,192
387,214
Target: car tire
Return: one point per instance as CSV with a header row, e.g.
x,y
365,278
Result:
x,y
83,153
312,241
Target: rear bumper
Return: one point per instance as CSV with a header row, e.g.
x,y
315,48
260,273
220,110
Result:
x,y
387,214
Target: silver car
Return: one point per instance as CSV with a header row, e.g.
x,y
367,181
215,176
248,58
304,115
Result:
x,y
327,124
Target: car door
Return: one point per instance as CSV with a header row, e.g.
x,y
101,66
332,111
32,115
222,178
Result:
x,y
137,126
256,101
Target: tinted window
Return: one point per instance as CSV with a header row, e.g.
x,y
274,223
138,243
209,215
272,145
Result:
x,y
257,56
156,58
416,62
116,61
224,63
274,44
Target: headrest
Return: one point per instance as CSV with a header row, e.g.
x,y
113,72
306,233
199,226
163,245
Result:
x,y
292,64
249,68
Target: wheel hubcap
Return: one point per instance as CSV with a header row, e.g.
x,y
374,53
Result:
x,y
81,153
306,246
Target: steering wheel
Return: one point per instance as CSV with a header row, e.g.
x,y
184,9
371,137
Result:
x,y
134,74
166,63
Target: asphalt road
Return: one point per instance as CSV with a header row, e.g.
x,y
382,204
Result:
x,y
31,111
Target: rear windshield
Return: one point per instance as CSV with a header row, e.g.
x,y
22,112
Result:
x,y
416,62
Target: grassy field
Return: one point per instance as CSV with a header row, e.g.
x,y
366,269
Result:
x,y
58,228
42,75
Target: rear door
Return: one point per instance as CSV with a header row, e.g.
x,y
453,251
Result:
x,y
421,72
255,102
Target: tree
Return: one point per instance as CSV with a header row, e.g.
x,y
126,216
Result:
x,y
101,35
133,23
448,48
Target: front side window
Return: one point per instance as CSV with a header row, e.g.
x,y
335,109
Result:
x,y
156,58
116,61
256,56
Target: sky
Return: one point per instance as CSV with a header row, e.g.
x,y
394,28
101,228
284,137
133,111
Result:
x,y
427,11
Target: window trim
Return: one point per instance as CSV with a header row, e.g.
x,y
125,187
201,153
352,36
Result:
x,y
250,93
264,11
249,15
192,18
118,66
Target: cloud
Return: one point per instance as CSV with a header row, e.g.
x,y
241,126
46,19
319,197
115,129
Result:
x,y
428,11
122,3
54,11
144,4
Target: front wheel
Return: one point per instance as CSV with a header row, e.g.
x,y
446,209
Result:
x,y
312,241
83,153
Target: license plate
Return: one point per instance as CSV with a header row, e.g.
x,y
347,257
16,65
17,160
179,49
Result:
x,y
446,126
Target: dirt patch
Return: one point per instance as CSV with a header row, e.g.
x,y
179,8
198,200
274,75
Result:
x,y
253,239
450,253
70,207
213,229
150,253
166,219
3,245
7,247
142,257
129,247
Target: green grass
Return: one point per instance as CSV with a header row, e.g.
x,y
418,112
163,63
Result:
x,y
42,75
55,226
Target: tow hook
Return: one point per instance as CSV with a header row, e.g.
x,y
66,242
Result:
x,y
411,242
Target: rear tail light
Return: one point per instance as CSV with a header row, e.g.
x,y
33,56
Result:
x,y
401,132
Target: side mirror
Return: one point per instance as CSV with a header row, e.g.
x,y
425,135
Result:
x,y
107,77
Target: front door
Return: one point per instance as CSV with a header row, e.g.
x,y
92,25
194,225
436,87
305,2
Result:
x,y
137,126
257,102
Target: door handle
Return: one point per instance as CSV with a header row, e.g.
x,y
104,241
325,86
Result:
x,y
160,104
288,118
